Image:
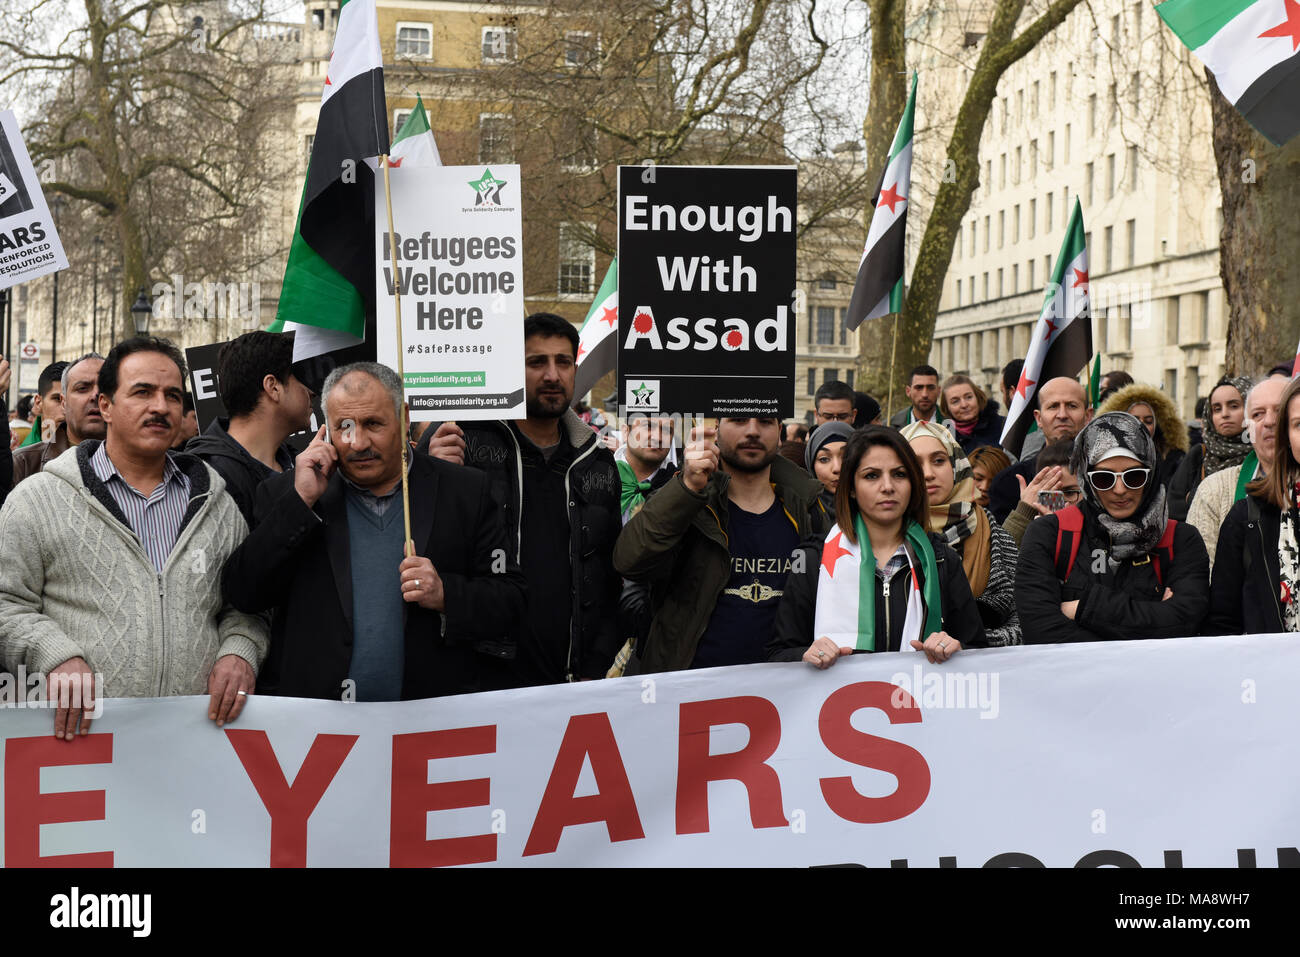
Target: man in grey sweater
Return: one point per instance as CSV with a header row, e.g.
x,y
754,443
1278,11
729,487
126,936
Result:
x,y
111,579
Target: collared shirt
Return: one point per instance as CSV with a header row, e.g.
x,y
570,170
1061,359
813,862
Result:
x,y
155,518
377,504
891,567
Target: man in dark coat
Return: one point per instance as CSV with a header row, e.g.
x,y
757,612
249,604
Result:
x,y
353,618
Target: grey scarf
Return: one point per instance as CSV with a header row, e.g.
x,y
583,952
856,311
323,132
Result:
x,y
1138,534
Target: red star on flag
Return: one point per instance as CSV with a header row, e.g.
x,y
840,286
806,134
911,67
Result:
x,y
831,554
888,197
1290,27
394,163
1022,387
610,315
581,349
1051,328
1080,278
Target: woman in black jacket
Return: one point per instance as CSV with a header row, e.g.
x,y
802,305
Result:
x,y
1134,574
1257,561
972,416
879,581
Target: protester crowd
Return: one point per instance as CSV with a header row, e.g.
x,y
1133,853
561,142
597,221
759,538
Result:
x,y
144,560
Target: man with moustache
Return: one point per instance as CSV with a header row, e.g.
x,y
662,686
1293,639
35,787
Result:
x,y
355,618
109,584
81,418
715,544
560,489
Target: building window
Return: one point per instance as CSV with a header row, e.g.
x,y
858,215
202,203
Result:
x,y
1002,228
844,327
1000,292
1132,242
1088,182
1005,111
1015,279
1109,250
958,292
1171,384
1030,264
848,378
414,40
986,287
973,230
1065,146
1133,169
1033,158
1171,321
1051,91
830,375
1033,217
1110,176
1047,209
1092,115
498,44
988,232
826,282
988,175
812,380
825,325
1002,171
1033,102
311,144
580,49
577,260
1015,224
496,138
399,118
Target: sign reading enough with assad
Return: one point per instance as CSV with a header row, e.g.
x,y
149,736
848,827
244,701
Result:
x,y
706,319
459,273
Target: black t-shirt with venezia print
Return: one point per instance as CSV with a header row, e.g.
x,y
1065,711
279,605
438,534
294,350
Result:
x,y
761,547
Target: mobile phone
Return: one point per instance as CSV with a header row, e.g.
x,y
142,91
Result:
x,y
1055,501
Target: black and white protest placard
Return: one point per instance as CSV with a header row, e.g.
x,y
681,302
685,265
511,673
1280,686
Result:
x,y
202,362
29,245
706,286
460,276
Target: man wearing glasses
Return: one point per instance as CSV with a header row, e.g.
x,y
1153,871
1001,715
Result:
x,y
834,403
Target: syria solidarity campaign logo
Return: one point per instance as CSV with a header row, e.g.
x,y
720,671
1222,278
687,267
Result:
x,y
488,189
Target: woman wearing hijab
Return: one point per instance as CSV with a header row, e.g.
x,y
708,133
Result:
x,y
822,457
879,581
1158,413
1113,566
1224,443
1256,585
988,554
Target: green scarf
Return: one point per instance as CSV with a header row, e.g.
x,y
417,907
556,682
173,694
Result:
x,y
920,541
1248,466
634,491
34,435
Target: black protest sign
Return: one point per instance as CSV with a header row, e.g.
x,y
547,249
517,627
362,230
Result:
x,y
706,264
202,362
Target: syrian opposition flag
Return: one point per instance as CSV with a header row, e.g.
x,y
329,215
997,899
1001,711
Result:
x,y
1062,343
878,290
329,283
414,144
597,344
1251,48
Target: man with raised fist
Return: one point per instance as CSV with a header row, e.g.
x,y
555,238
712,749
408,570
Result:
x,y
716,545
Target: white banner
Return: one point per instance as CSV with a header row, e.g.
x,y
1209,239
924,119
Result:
x,y
29,244
1156,753
460,277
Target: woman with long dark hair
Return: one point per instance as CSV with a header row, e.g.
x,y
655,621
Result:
x,y
879,581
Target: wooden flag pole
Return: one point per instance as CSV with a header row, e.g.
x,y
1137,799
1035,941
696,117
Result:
x,y
893,353
408,547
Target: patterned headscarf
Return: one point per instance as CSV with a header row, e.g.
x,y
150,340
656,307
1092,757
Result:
x,y
957,517
1110,434
1225,451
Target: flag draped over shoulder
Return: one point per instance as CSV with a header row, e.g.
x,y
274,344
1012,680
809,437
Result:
x,y
597,344
329,282
1062,341
1251,47
878,289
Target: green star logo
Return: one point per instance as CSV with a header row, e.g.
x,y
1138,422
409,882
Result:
x,y
488,188
643,394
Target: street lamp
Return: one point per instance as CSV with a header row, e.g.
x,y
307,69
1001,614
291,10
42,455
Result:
x,y
141,313
59,204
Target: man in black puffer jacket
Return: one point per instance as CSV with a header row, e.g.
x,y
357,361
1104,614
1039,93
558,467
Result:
x,y
560,490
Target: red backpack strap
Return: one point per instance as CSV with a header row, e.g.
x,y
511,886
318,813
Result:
x,y
1164,551
1068,519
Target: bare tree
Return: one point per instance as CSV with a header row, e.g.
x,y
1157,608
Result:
x,y
163,129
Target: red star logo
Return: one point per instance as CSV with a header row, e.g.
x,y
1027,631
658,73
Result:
x,y
1051,328
581,349
1290,27
394,163
1022,387
890,196
831,553
610,315
1080,278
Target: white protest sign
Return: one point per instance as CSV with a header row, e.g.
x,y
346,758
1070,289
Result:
x,y
460,277
1169,753
29,244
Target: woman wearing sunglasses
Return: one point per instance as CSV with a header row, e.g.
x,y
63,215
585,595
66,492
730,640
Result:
x,y
1113,566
